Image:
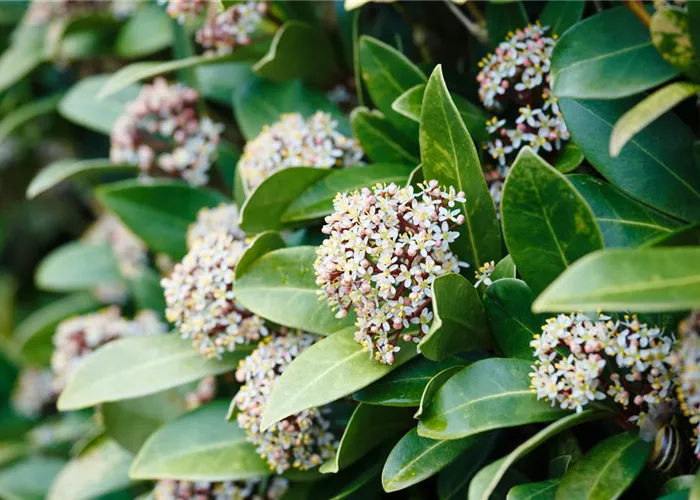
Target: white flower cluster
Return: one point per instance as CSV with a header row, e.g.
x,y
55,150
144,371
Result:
x,y
301,441
517,74
483,275
686,365
580,360
182,9
386,247
200,299
223,218
130,252
162,130
251,489
33,392
232,28
296,142
77,337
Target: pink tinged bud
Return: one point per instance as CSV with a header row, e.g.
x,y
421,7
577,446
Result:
x,y
503,132
521,127
366,288
341,314
505,84
407,337
397,324
398,252
411,252
461,194
638,400
374,329
460,219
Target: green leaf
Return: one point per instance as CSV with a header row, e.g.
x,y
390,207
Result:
x,y
641,280
410,103
259,246
100,469
360,480
504,18
329,370
560,16
147,31
685,236
23,56
199,446
437,381
508,304
453,481
380,140
29,479
547,225
415,458
77,266
27,112
487,479
678,483
140,71
82,106
449,156
261,102
281,286
35,333
133,367
405,386
388,73
648,110
147,291
159,212
545,490
656,167
504,269
569,158
623,221
459,322
694,22
670,33
288,57
368,427
596,60
605,472
695,489
490,394
217,82
316,201
62,170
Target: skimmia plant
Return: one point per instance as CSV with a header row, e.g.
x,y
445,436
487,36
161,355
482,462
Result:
x,y
269,250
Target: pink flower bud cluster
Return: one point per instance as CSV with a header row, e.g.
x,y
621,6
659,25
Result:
x,y
223,218
232,28
296,142
686,365
580,360
301,441
182,9
33,392
385,248
77,337
163,133
250,489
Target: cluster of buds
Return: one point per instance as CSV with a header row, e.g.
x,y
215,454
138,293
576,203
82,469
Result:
x,y
251,489
386,247
580,360
232,28
79,336
129,251
686,366
301,441
182,9
223,218
296,142
163,130
200,299
33,392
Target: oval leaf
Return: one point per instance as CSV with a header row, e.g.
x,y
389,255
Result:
x,y
23,56
380,140
453,481
77,266
26,112
560,16
147,31
545,490
432,387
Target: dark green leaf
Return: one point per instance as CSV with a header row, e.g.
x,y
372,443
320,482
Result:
x,y
432,387
27,112
695,490
560,16
504,269
685,236
218,82
545,490
678,483
694,22
147,291
547,225
147,31
380,140
569,158
23,56
502,19
453,481
77,266
29,479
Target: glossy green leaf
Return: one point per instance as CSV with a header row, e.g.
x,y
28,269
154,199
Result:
x,y
82,106
147,31
100,469
502,18
559,465
685,236
35,333
77,266
569,158
605,472
545,490
199,446
27,112
218,82
459,322
656,166
63,170
490,394
695,489
23,56
405,386
623,221
547,225
368,427
437,381
159,213
504,269
487,479
360,480
678,483
596,60
380,140
508,304
327,371
453,481
670,33
677,495
317,200
288,57
281,286
415,458
147,291
640,280
648,110
560,16
259,246
29,479
410,103
449,156
134,367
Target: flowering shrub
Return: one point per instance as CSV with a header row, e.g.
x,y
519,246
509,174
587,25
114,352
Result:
x,y
279,250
